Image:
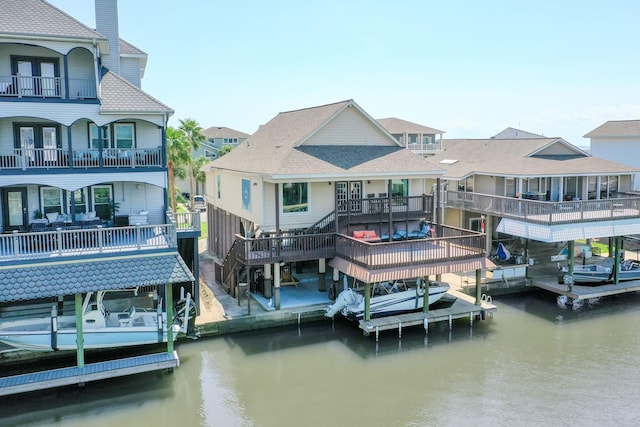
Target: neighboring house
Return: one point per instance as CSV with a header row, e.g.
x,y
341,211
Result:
x,y
618,141
216,138
544,189
299,187
513,133
82,149
420,139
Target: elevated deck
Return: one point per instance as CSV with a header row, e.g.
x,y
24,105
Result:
x,y
90,372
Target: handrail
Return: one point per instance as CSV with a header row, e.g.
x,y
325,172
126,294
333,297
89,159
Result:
x,y
88,241
542,212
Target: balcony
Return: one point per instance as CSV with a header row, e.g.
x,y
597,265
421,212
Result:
x,y
56,158
545,213
18,86
454,245
56,244
422,148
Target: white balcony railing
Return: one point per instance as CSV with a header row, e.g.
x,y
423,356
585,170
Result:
x,y
49,158
19,86
90,241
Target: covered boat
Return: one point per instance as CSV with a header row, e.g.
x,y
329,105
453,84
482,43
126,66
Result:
x,y
388,299
101,328
603,272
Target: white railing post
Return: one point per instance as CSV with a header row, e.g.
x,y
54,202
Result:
x,y
100,239
138,236
59,240
16,243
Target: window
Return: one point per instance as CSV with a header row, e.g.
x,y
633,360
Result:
x,y
426,139
51,200
295,197
38,76
102,197
94,136
400,191
80,199
39,142
510,187
413,138
124,135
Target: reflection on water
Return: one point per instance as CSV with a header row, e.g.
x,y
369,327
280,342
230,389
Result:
x,y
534,363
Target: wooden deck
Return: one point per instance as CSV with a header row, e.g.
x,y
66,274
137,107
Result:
x,y
462,307
91,372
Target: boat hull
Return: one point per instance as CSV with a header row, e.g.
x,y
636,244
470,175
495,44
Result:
x,y
390,304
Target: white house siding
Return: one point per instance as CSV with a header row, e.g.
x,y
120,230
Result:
x,y
130,70
132,200
63,113
484,184
148,135
349,128
107,25
625,150
103,119
81,66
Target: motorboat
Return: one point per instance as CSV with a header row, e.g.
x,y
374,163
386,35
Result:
x,y
387,299
603,272
100,328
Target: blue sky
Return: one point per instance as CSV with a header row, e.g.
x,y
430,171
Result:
x,y
470,68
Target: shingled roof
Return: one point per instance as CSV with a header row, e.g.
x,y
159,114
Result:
x,y
39,18
291,145
120,96
395,125
520,157
43,280
616,128
223,132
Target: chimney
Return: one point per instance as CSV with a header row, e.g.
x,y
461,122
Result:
x,y
107,25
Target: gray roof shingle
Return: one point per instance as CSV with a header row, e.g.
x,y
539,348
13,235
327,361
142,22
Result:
x,y
39,18
395,125
120,96
616,128
277,149
519,157
223,132
28,282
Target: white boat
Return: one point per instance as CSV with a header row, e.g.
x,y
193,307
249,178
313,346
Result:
x,y
101,329
603,272
392,300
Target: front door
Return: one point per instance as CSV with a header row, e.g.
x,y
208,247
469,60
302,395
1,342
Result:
x,y
15,213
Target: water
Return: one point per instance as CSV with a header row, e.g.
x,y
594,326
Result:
x,y
534,363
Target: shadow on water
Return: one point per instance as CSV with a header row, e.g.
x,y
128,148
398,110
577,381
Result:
x,y
544,305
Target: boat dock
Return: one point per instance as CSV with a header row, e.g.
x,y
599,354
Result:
x,y
581,292
90,372
464,306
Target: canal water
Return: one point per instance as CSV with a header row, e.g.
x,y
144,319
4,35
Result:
x,y
533,363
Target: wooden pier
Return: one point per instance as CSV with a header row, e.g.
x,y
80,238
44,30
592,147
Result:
x,y
90,372
463,306
581,292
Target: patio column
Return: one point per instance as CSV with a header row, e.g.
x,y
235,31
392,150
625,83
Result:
x,y
333,293
478,286
322,272
425,305
276,288
168,300
267,281
367,301
79,331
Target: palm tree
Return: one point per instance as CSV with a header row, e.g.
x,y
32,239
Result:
x,y
178,154
193,134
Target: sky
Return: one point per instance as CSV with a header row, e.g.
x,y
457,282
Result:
x,y
469,68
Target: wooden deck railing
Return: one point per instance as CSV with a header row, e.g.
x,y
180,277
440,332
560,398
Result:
x,y
457,245
548,213
59,243
288,247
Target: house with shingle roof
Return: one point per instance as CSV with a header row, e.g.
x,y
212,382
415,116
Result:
x,y
418,138
538,188
306,182
618,141
83,170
